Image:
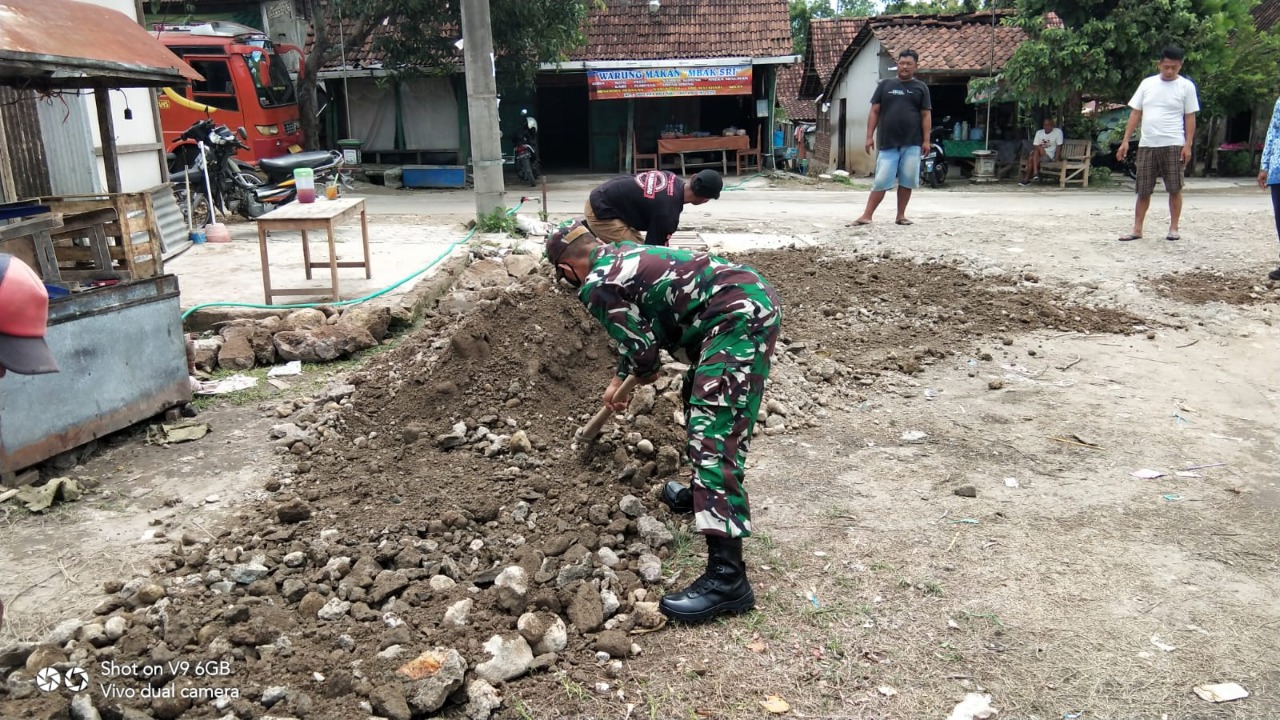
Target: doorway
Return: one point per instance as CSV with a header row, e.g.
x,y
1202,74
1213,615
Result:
x,y
842,130
562,126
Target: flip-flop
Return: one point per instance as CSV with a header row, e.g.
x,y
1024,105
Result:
x,y
859,221
1173,236
1130,236
903,221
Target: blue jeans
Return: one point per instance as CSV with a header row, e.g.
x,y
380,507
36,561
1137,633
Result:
x,y
897,163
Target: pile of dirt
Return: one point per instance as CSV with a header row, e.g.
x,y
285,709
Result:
x,y
438,537
1203,286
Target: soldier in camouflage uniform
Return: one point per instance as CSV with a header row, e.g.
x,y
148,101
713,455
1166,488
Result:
x,y
725,318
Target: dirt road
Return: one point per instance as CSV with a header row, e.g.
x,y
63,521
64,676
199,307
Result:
x,y
949,506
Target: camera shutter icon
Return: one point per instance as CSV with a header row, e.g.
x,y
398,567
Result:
x,y
76,679
48,679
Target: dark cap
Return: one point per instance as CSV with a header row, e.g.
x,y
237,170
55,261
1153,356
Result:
x,y
707,184
24,316
562,238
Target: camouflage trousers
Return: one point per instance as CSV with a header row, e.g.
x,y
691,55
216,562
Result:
x,y
722,395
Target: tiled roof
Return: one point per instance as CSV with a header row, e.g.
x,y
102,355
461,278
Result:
x,y
358,57
1266,14
626,30
828,39
950,46
687,29
798,108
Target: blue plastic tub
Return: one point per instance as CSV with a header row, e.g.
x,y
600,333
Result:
x,y
434,176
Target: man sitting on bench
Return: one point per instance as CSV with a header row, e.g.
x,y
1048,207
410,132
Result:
x,y
1045,145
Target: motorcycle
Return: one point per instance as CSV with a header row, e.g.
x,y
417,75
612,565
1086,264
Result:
x,y
934,165
525,142
218,181
1130,163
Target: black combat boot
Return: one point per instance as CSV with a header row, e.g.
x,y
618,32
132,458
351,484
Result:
x,y
723,588
677,497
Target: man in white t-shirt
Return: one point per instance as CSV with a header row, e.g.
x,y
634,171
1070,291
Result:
x,y
1043,147
1166,104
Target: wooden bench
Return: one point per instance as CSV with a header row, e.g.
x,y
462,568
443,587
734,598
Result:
x,y
1072,164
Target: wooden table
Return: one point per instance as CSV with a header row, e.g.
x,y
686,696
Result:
x,y
714,143
319,215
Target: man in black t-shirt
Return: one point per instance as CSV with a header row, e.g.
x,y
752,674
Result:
x,y
649,203
901,109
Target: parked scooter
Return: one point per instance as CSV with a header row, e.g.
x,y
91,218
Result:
x,y
525,143
934,165
1130,163
278,173
229,185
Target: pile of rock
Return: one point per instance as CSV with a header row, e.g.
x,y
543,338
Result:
x,y
310,335
488,277
270,601
311,420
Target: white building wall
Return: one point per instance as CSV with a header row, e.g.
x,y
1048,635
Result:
x,y
856,86
140,169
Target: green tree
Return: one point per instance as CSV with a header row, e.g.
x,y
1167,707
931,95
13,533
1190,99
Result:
x,y
1244,76
929,7
1106,47
802,11
526,33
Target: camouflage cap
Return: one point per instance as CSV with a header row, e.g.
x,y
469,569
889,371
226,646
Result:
x,y
562,238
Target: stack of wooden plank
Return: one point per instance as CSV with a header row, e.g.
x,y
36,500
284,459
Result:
x,y
112,233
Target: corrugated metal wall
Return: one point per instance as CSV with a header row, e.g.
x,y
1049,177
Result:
x,y
64,122
26,148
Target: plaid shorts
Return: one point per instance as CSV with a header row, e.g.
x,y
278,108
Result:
x,y
1164,162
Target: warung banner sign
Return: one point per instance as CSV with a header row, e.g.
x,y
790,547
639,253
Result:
x,y
670,82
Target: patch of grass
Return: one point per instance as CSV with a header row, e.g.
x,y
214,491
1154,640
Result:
x,y
684,551
521,711
835,512
575,691
845,582
835,648
249,396
993,618
497,221
931,587
880,566
653,706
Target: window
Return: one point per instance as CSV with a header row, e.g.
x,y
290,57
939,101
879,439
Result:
x,y
270,79
217,88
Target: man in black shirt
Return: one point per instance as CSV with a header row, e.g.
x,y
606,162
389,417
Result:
x,y
649,203
902,110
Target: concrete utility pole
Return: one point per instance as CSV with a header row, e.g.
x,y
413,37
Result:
x,y
482,106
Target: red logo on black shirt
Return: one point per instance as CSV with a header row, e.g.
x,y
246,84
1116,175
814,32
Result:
x,y
654,182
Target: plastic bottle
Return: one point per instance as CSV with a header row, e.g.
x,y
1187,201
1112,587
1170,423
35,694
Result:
x,y
305,180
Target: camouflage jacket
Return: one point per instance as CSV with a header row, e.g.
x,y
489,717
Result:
x,y
652,298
